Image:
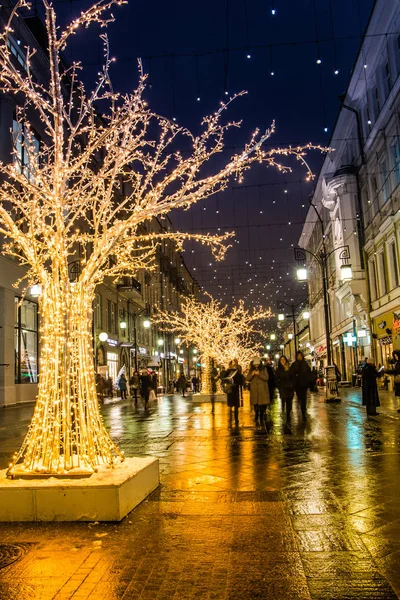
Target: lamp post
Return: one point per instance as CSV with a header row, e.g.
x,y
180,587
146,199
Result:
x,y
322,258
293,307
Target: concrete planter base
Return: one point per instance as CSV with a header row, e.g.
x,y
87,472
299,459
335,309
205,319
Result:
x,y
108,495
219,397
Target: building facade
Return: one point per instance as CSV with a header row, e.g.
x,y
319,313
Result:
x,y
355,207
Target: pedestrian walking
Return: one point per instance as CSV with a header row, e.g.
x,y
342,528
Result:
x,y
370,396
396,372
285,383
182,384
271,379
134,384
236,365
109,387
122,384
302,379
257,377
154,382
231,380
146,386
314,379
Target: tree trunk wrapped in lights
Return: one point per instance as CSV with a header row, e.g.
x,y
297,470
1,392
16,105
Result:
x,y
64,199
213,329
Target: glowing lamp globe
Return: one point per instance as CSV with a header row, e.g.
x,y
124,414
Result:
x,y
306,314
281,317
302,274
290,336
35,291
273,336
103,336
123,324
160,342
146,324
346,273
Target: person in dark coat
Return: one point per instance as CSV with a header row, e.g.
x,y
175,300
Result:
x,y
370,396
146,385
314,379
134,384
302,377
395,370
285,383
122,386
182,384
257,376
231,381
271,379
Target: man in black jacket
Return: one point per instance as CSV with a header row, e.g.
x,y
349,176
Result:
x,y
302,379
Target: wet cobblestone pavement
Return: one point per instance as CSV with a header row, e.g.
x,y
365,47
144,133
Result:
x,y
310,512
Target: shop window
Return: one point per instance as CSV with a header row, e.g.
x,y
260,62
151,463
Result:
x,y
26,341
394,272
382,274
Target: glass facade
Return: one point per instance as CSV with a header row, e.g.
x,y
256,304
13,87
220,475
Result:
x,y
26,341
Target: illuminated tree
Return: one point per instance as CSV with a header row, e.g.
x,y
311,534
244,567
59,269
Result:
x,y
65,202
214,329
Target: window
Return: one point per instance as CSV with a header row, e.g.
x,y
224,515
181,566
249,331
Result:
x,y
395,152
15,48
377,104
372,280
394,271
26,341
385,181
99,311
113,319
382,274
387,82
25,147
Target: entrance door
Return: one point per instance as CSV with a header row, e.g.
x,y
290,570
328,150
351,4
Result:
x,y
112,364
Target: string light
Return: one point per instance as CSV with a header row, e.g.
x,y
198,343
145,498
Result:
x,y
61,205
218,334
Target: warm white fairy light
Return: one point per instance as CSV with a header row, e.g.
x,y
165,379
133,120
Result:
x,y
218,333
66,203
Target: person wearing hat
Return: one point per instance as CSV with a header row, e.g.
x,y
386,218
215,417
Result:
x,y
257,377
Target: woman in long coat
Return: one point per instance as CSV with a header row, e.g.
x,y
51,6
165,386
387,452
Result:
x,y
370,396
285,382
257,376
231,381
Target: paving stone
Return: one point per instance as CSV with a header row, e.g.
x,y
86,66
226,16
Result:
x,y
302,514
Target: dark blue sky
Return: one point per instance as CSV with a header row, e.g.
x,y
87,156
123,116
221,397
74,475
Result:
x,y
197,49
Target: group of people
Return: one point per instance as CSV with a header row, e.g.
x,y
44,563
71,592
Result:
x,y
261,378
141,383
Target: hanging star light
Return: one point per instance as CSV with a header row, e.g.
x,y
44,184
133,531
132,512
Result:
x,y
64,204
216,331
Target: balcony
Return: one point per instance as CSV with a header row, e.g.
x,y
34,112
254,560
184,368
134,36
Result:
x,y
131,287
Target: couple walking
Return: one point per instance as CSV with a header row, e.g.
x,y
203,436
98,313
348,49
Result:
x,y
293,378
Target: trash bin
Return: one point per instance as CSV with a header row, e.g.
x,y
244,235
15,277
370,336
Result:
x,y
354,380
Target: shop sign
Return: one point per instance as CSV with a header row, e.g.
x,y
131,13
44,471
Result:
x,y
181,360
349,339
385,341
112,342
396,322
320,349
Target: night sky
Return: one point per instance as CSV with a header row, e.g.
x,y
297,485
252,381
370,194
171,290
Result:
x,y
193,53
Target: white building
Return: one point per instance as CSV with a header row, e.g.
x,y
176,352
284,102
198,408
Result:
x,y
357,197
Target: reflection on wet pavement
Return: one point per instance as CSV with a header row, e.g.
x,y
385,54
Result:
x,y
306,512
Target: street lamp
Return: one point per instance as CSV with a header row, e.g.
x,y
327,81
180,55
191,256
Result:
x,y
272,336
281,317
146,324
346,273
194,351
177,340
103,336
160,342
322,258
123,324
268,346
35,290
302,274
306,315
290,336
